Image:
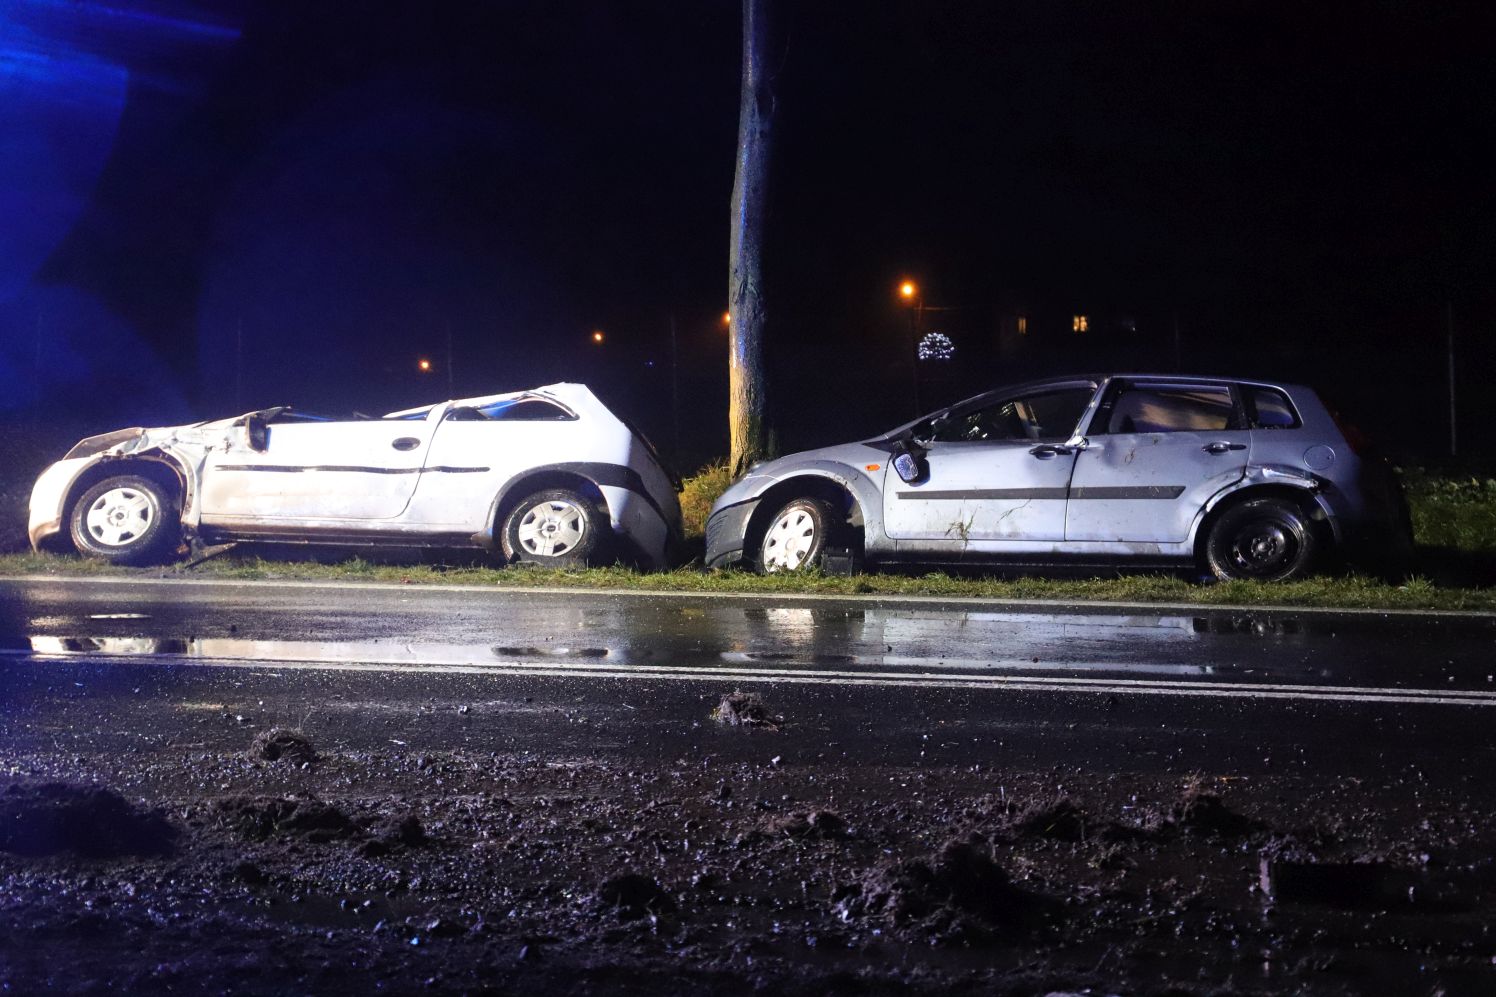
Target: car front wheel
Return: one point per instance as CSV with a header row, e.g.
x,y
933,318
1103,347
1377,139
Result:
x,y
556,528
796,537
1266,540
125,520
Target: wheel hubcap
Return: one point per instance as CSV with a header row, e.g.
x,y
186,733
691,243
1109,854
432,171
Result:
x,y
119,516
552,529
789,541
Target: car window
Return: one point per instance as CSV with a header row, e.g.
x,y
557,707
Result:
x,y
1049,415
1271,409
1170,408
524,410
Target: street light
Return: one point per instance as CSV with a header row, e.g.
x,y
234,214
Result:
x,y
424,365
909,292
597,336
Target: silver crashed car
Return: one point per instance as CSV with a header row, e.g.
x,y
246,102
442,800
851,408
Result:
x,y
1246,479
548,476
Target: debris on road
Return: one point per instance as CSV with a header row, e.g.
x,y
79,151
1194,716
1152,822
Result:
x,y
746,709
282,744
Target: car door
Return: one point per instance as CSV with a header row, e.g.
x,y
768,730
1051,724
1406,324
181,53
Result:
x,y
476,450
1154,453
997,471
318,471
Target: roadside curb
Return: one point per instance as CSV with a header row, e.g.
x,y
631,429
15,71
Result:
x,y
1075,606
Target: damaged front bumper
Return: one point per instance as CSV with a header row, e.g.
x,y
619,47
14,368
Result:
x,y
726,533
48,498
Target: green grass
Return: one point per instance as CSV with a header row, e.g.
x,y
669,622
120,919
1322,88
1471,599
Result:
x,y
1449,512
1454,523
698,493
1330,591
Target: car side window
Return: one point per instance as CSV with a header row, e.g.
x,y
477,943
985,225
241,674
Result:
x,y
1270,408
1049,415
1170,408
525,410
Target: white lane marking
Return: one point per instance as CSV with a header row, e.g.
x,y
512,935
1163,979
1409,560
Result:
x,y
1218,690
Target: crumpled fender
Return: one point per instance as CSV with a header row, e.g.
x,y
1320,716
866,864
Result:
x,y
1281,475
186,460
864,492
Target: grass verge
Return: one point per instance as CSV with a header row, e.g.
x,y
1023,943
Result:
x,y
1342,592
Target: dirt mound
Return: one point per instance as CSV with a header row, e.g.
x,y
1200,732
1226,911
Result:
x,y
282,744
395,833
1200,812
820,825
959,895
262,817
745,709
52,818
1059,819
813,825
633,896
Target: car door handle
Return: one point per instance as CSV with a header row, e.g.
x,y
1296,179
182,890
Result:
x,y
1044,451
1222,447
406,443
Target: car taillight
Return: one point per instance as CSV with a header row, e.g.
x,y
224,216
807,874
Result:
x,y
1360,443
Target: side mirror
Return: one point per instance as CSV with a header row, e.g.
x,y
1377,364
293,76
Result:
x,y
909,462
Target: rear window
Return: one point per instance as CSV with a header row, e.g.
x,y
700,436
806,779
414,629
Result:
x,y
1270,409
1171,408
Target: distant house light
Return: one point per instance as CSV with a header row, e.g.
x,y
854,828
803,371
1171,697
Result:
x,y
1023,325
1129,324
1079,323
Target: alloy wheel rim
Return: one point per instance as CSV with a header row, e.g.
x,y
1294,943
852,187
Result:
x,y
119,517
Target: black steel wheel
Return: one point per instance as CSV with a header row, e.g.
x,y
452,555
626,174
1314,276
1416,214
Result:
x,y
1267,539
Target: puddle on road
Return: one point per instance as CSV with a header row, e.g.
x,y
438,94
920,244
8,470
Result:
x,y
1219,645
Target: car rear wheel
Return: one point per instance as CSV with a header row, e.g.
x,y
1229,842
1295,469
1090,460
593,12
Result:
x,y
126,520
1266,540
797,536
555,528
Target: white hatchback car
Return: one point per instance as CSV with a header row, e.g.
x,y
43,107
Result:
x,y
548,476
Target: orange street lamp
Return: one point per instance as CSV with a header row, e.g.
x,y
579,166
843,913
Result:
x,y
907,290
424,365
597,336
727,318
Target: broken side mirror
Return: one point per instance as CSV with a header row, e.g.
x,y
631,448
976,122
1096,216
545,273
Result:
x,y
256,434
909,462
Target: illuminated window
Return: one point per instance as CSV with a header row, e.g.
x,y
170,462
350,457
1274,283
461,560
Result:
x,y
1079,323
1023,325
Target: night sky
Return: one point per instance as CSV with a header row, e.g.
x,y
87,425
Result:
x,y
1303,190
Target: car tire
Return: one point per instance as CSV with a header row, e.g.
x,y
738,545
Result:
x,y
796,536
125,519
1268,540
556,528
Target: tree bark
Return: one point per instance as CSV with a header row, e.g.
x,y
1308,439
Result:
x,y
747,416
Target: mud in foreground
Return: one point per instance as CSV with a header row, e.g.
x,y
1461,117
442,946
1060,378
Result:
x,y
332,872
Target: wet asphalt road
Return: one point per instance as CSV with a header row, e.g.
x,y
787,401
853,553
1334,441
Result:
x,y
110,666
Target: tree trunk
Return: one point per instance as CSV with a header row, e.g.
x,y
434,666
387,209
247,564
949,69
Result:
x,y
747,417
